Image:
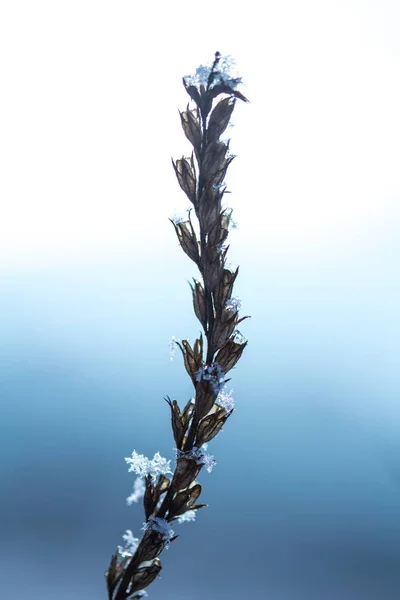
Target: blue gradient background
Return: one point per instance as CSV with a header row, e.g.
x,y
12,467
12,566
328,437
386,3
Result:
x,y
304,502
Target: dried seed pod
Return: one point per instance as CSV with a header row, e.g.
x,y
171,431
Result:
x,y
186,177
151,546
114,573
184,501
191,126
187,413
220,230
144,576
153,492
185,473
178,426
214,158
209,208
223,330
205,398
224,289
199,303
220,118
210,426
187,239
229,354
192,358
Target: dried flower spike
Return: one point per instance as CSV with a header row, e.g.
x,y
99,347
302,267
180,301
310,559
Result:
x,y
201,176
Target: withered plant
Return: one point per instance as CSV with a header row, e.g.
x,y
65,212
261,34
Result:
x,y
201,176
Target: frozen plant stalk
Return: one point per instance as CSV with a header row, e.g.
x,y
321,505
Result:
x,y
201,176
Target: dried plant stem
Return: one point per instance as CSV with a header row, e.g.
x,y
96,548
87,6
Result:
x,y
201,177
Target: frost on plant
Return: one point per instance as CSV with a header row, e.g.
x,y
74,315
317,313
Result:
x,y
172,347
224,72
232,223
238,337
131,544
202,234
162,527
187,517
233,304
221,248
143,466
226,400
199,456
212,373
138,491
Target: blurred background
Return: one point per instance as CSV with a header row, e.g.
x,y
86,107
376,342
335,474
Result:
x,y
304,502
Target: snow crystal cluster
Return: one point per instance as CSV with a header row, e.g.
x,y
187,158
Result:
x,y
161,526
214,374
139,489
199,456
131,544
143,466
187,517
225,72
233,304
238,337
226,400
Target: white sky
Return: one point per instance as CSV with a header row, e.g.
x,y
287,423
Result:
x,y
89,121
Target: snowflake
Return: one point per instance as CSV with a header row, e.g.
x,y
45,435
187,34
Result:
x,y
200,76
161,526
225,399
238,337
131,544
138,491
212,373
233,304
177,218
187,517
232,223
221,248
225,72
172,347
199,456
143,466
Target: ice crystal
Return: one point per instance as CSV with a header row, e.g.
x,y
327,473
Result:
x,y
200,77
199,456
187,517
143,466
212,373
177,219
221,248
131,544
225,72
226,400
172,347
161,526
233,304
228,211
138,491
238,337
